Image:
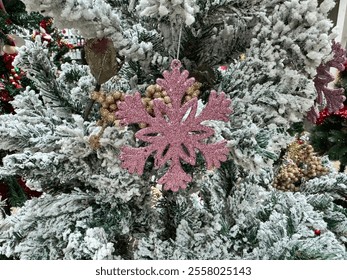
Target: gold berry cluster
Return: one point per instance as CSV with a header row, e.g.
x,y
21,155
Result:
x,y
156,91
108,108
300,165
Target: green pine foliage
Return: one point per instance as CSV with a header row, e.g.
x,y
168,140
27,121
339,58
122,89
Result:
x,y
17,19
330,138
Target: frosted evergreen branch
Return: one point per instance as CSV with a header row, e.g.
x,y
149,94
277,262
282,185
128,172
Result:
x,y
301,29
34,60
290,226
2,208
95,18
78,82
35,166
334,184
32,126
324,195
263,105
35,136
20,230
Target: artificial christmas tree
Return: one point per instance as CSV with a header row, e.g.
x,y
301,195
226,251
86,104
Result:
x,y
16,24
14,19
92,208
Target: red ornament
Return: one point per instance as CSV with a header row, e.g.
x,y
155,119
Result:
x,y
325,113
8,59
342,112
345,65
3,191
43,24
5,96
30,193
300,141
322,116
317,232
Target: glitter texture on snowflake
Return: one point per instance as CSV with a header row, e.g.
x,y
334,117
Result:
x,y
334,97
175,133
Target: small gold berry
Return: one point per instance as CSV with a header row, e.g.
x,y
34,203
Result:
x,y
111,117
117,95
142,125
167,99
113,107
157,95
110,99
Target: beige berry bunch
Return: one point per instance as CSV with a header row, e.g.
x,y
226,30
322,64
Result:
x,y
301,164
303,155
192,91
288,178
108,108
156,91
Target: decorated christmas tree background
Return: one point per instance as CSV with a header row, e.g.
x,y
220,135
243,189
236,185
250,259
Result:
x,y
14,20
152,150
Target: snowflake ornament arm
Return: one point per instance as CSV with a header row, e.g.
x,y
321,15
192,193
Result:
x,y
132,111
134,159
216,101
334,97
176,83
174,134
339,57
313,114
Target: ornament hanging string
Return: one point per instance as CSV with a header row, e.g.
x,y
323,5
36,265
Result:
x,y
179,41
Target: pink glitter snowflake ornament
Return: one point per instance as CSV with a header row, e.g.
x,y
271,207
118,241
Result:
x,y
334,97
175,133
